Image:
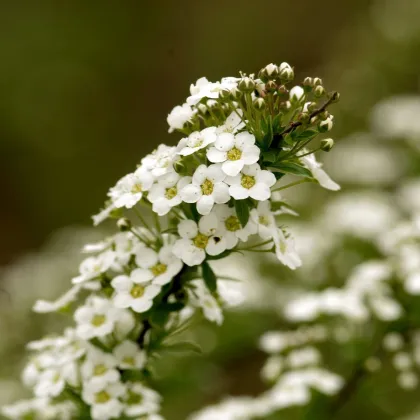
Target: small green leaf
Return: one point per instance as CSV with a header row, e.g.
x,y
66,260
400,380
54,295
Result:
x,y
219,256
270,156
292,168
209,277
306,134
268,138
183,346
276,124
242,211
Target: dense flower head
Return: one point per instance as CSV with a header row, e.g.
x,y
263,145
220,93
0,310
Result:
x,y
182,207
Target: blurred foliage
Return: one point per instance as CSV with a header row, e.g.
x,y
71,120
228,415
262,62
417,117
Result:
x,y
86,87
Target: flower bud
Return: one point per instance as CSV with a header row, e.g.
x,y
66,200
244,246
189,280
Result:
x,y
286,72
124,224
303,117
224,94
284,105
211,103
334,97
327,144
319,91
202,109
271,86
259,104
296,94
325,125
246,85
235,93
283,93
309,107
270,72
317,81
308,84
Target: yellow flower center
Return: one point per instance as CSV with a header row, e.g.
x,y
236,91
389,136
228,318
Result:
x,y
232,224
247,181
133,398
102,397
129,360
171,193
98,320
207,187
264,220
137,188
234,154
158,269
137,291
99,370
201,241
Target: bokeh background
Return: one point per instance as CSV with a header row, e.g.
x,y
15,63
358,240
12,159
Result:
x,y
85,91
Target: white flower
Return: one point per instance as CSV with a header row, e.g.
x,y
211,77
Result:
x,y
252,182
233,123
129,190
51,383
161,160
234,152
196,240
135,291
99,368
159,267
296,94
129,355
285,249
96,319
207,187
165,194
104,401
140,400
103,214
233,228
318,173
202,298
93,267
264,219
196,141
205,89
179,116
124,244
327,124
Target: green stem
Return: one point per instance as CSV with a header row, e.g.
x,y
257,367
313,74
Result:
x,y
292,184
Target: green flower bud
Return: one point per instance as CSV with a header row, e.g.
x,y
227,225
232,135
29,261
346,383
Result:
x,y
325,125
211,103
309,107
334,96
319,91
327,144
224,94
284,105
296,94
286,72
308,84
246,85
259,104
283,93
270,72
303,117
271,86
124,224
202,109
235,93
317,81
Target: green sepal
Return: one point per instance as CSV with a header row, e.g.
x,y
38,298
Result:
x,y
209,277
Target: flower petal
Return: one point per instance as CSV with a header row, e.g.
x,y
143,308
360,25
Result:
x,y
244,139
221,193
233,167
191,193
216,156
238,192
260,192
187,229
225,142
208,224
205,204
250,154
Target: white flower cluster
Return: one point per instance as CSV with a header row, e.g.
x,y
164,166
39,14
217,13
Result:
x,y
209,196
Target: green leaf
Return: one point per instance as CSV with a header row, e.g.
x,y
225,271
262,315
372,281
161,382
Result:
x,y
268,138
242,211
183,346
276,124
270,156
292,168
219,256
209,277
306,134
171,306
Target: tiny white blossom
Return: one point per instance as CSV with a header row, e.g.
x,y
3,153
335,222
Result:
x,y
205,89
234,152
135,291
198,239
140,400
99,368
202,298
233,123
104,401
252,182
165,194
93,267
129,355
296,94
196,141
159,267
206,188
233,228
179,116
161,160
318,173
129,190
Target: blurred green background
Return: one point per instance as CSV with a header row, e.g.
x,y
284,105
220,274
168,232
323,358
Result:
x,y
85,91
